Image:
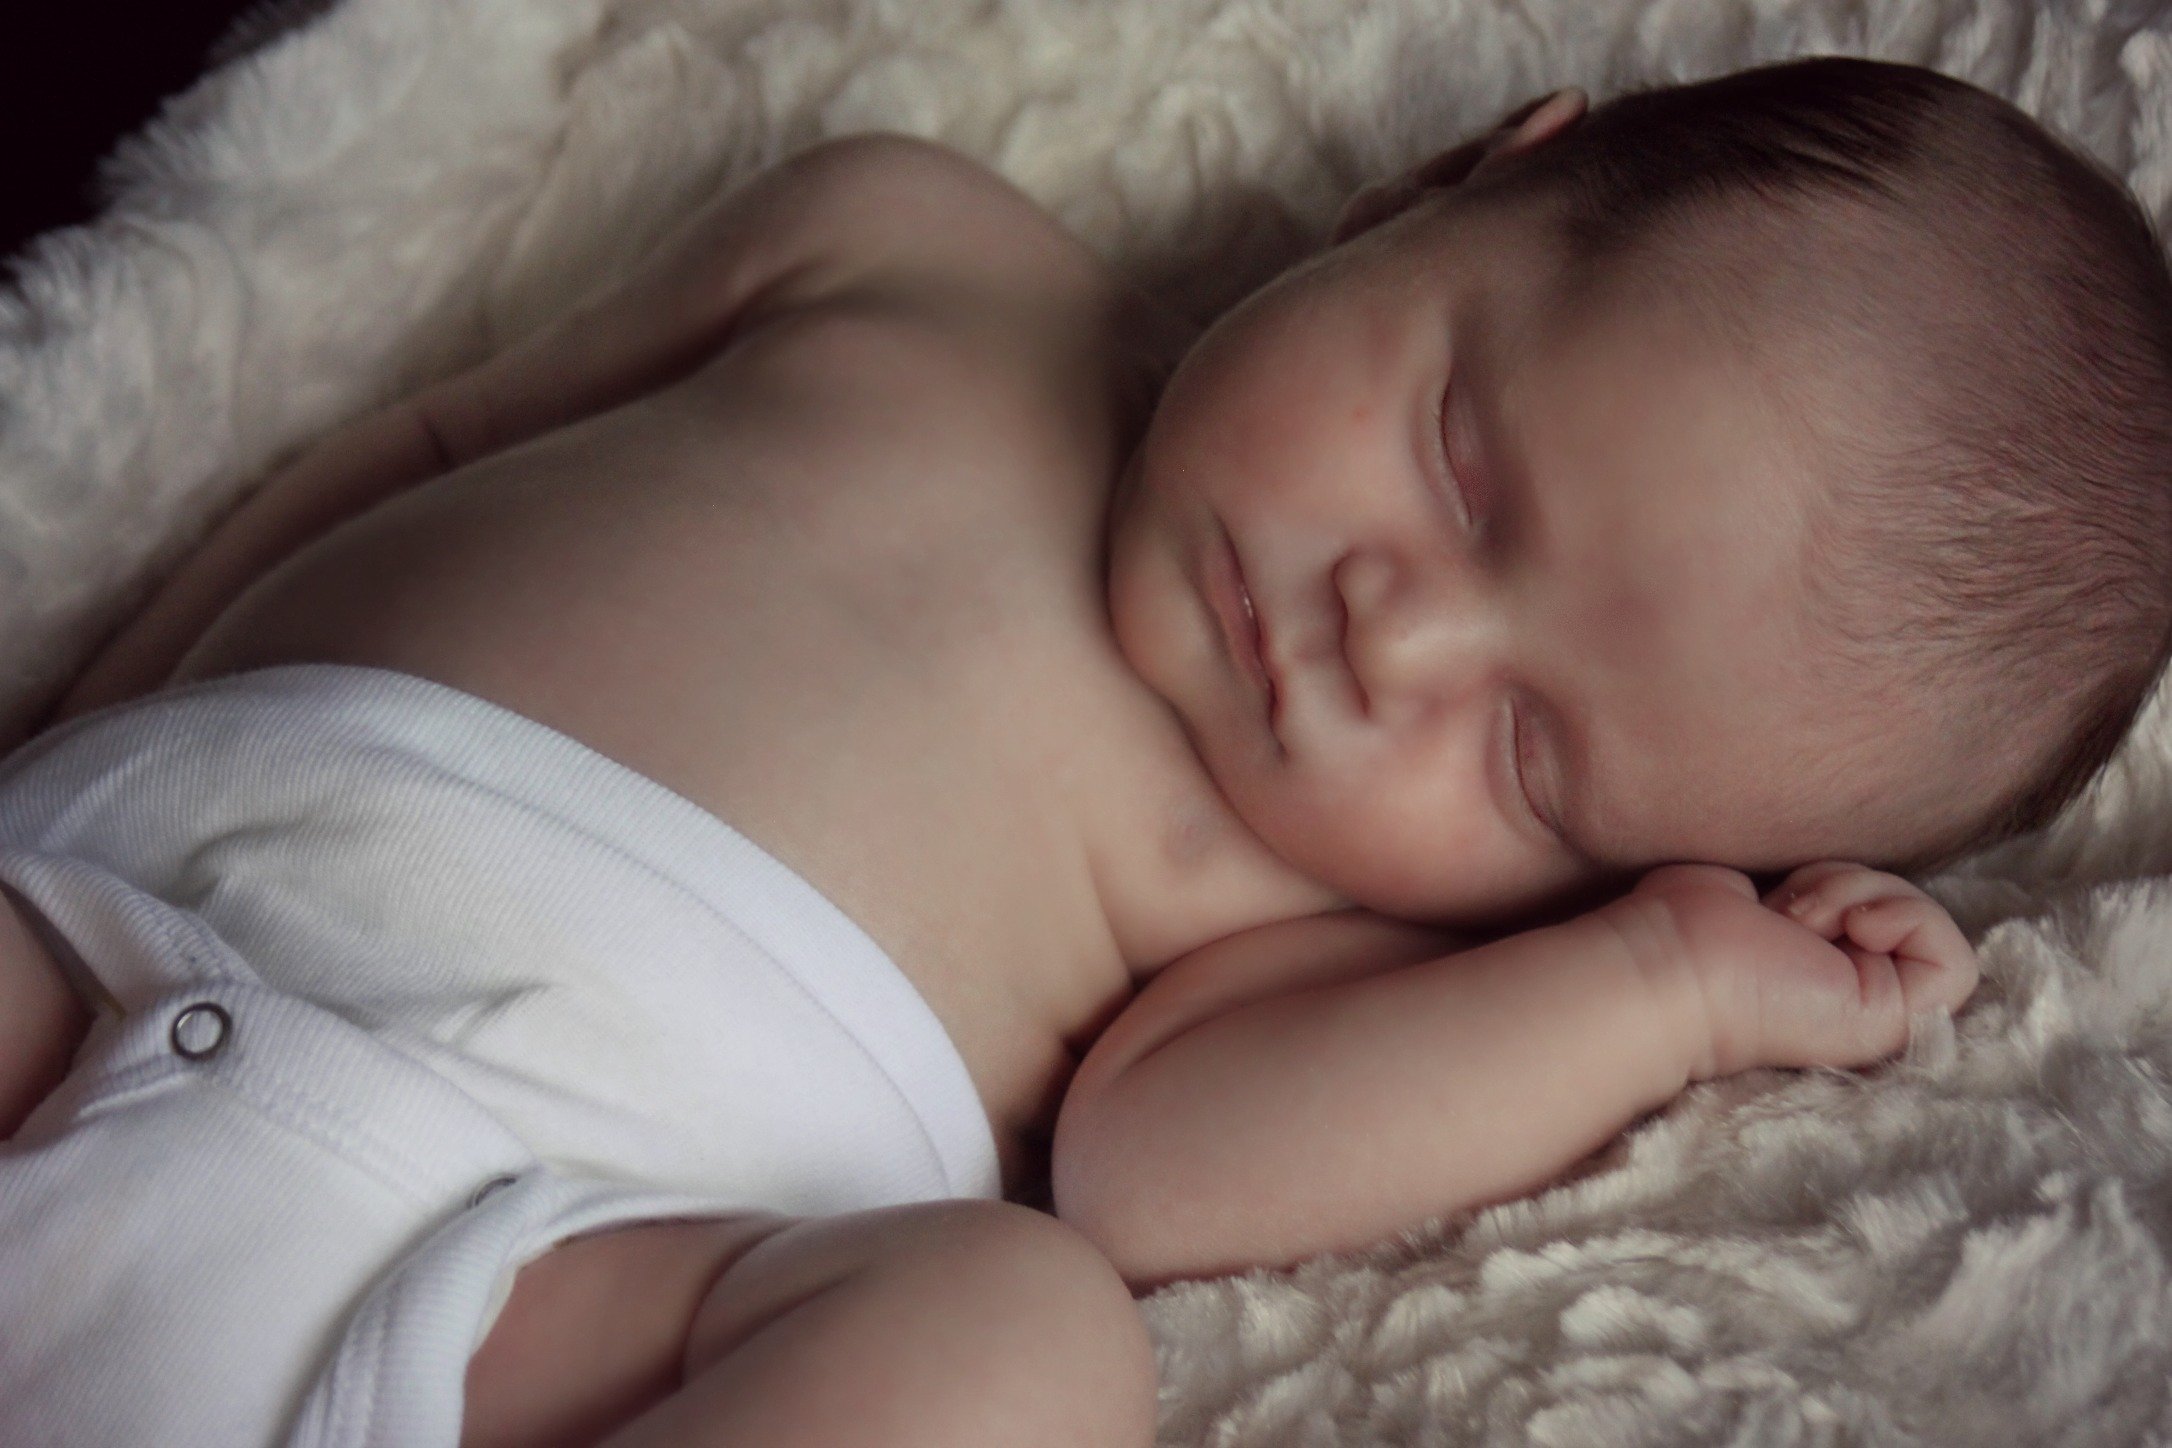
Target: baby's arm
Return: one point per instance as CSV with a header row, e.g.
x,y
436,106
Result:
x,y
1328,1117
1331,1116
754,251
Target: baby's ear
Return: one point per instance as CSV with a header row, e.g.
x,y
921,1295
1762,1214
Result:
x,y
1526,126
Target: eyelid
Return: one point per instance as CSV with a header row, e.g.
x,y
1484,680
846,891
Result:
x,y
1507,751
1531,718
1516,732
1455,487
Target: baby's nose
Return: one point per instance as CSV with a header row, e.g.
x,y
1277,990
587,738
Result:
x,y
1414,633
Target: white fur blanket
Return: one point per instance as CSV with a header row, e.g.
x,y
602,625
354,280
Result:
x,y
1968,1246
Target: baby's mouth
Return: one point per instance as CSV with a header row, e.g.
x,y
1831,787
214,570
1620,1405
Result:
x,y
1241,626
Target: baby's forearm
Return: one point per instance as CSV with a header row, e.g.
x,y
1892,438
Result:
x,y
1329,1118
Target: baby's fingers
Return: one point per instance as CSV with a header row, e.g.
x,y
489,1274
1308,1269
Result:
x,y
1816,897
1893,921
1937,964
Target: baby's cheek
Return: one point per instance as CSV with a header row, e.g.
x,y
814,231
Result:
x,y
1451,859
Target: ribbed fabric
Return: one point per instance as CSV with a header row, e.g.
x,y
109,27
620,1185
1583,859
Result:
x,y
452,947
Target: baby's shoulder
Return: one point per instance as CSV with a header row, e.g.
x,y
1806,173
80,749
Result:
x,y
898,244
882,215
997,339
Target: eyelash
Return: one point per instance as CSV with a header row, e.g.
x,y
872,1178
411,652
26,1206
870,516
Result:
x,y
1515,757
1461,499
1457,494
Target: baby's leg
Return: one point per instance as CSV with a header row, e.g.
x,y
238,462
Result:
x,y
943,1323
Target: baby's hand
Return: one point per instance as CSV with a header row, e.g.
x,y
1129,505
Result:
x,y
1824,971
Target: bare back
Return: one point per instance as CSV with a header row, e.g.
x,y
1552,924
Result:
x,y
803,587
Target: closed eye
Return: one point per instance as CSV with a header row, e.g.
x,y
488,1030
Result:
x,y
1519,751
1532,741
1460,461
1452,484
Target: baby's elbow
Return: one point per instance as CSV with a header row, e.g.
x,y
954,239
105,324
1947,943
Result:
x,y
1109,1192
1087,1183
1102,1219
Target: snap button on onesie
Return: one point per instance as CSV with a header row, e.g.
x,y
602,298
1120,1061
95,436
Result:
x,y
200,1030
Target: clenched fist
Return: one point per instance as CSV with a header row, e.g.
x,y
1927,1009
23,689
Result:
x,y
1824,971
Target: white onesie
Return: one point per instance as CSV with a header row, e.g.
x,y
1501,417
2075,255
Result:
x,y
397,989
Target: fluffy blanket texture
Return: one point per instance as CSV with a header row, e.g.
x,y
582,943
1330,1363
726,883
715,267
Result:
x,y
1966,1246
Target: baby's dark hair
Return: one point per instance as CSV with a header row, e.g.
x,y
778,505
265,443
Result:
x,y
2007,543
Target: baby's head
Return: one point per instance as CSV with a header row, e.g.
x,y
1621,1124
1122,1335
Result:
x,y
1770,469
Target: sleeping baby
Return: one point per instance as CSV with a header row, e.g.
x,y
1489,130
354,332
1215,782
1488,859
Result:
x,y
593,906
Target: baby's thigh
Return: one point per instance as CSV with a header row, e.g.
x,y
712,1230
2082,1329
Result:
x,y
594,1331
951,1323
948,1324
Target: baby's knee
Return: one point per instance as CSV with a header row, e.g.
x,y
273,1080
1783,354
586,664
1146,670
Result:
x,y
1057,1327
1025,1299
1011,1262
